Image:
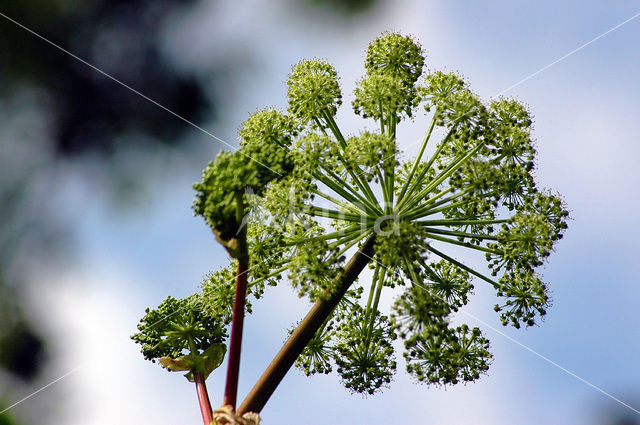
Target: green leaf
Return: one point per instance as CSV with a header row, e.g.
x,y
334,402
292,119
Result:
x,y
204,363
208,361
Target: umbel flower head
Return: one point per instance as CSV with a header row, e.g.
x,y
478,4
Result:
x,y
321,194
182,336
222,193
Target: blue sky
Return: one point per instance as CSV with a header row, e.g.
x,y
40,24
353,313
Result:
x,y
586,112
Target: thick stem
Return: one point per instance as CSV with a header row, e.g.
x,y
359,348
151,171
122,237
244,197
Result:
x,y
203,398
233,369
286,357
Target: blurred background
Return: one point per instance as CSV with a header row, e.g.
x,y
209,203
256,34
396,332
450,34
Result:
x,y
95,190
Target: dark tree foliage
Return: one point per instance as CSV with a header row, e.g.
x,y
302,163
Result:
x,y
120,38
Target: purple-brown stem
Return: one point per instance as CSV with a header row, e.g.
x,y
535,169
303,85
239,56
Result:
x,y
203,398
233,368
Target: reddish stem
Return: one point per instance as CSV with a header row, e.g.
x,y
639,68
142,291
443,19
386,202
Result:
x,y
233,369
203,398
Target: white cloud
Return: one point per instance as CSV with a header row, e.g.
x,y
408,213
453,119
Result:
x,y
89,319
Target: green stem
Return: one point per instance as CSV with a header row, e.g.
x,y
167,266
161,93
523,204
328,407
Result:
x,y
355,240
376,300
394,120
272,274
459,233
320,126
416,162
451,168
425,209
420,178
353,197
431,211
412,271
446,222
383,185
341,233
462,266
335,235
334,128
362,184
372,290
429,202
389,179
374,308
193,348
337,215
464,244
346,205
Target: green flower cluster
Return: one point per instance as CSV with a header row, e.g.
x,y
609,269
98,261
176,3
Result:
x,y
396,56
314,92
436,353
318,195
313,266
370,151
218,293
360,349
183,336
265,138
456,355
400,99
223,182
222,194
388,92
318,355
449,282
365,356
417,310
399,243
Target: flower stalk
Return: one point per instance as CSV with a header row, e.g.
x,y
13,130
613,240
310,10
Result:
x,y
235,346
237,324
203,398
